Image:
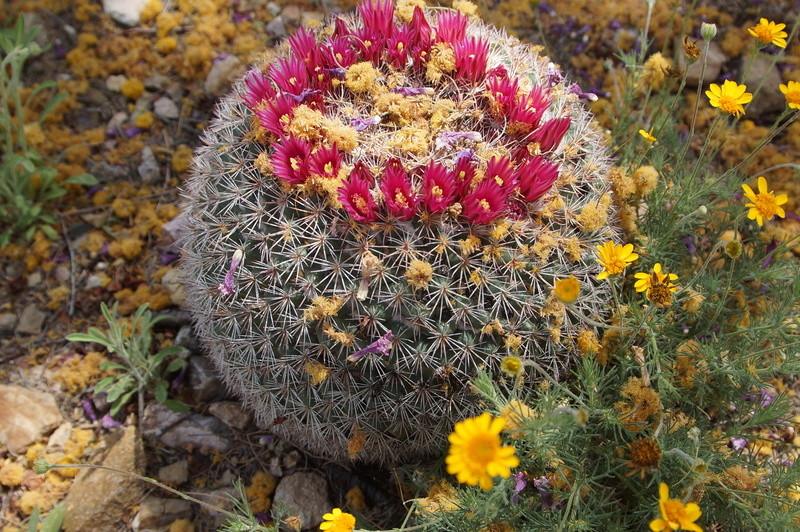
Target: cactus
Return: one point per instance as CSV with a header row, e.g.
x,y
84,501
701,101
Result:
x,y
381,210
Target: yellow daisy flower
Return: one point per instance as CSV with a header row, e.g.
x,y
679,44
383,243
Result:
x,y
674,514
765,205
729,98
768,32
614,258
512,366
338,521
648,135
476,454
792,92
657,286
567,289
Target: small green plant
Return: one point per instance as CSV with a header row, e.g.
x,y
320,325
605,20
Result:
x,y
141,371
27,183
51,523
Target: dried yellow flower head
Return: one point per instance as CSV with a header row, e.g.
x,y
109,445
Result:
x,y
419,273
644,453
646,179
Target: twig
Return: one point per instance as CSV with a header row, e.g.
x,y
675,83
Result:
x,y
71,310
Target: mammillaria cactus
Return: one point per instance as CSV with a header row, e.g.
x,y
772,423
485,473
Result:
x,y
380,211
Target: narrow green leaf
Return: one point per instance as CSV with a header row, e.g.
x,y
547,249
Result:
x,y
52,522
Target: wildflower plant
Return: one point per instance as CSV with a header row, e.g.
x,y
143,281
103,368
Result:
x,y
28,185
141,371
381,210
678,414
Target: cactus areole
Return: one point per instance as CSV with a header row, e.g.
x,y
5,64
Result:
x,y
381,210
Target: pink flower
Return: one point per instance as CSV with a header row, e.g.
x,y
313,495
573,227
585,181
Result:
x,y
304,45
290,160
471,56
290,75
526,112
227,285
550,133
378,16
338,52
451,26
259,88
369,44
438,187
355,196
463,173
501,171
501,92
484,203
381,346
398,196
398,47
276,114
537,175
421,39
361,171
326,162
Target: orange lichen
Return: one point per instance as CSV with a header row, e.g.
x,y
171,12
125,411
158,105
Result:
x,y
80,373
259,492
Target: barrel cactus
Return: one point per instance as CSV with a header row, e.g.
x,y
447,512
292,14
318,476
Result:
x,y
381,209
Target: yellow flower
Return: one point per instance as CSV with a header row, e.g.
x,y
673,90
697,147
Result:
x,y
512,366
729,98
674,514
765,205
648,135
656,285
768,32
338,521
567,289
614,258
476,454
792,92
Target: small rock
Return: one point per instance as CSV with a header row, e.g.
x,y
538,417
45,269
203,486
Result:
x,y
155,82
277,28
291,13
25,416
221,498
34,279
203,380
125,12
100,499
157,512
716,57
8,320
62,273
97,281
171,281
148,170
230,413
273,8
31,320
222,73
178,430
59,437
174,474
175,227
764,76
186,338
114,83
165,109
304,494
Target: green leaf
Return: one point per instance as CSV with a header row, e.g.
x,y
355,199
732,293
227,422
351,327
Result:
x,y
52,522
122,401
176,406
119,388
104,383
113,365
55,100
160,391
81,179
175,365
48,231
33,524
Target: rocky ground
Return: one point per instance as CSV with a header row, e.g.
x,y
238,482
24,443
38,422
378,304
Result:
x,y
141,79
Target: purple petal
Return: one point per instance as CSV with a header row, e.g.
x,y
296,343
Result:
x,y
109,422
303,96
576,89
446,139
226,286
411,91
381,346
360,124
132,131
88,409
768,259
737,444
